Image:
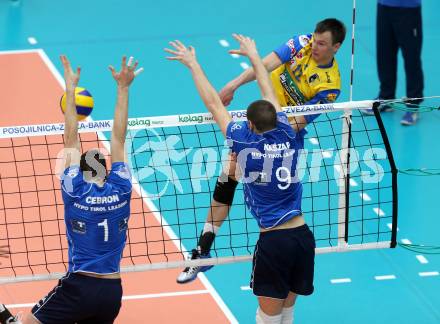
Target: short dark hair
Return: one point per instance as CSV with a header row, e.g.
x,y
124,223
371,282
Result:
x,y
263,115
334,26
91,161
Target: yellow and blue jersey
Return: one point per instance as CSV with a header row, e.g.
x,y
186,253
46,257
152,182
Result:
x,y
300,80
96,219
272,190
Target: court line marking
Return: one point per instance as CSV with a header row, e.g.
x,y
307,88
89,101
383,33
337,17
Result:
x,y
386,277
390,226
244,65
327,154
135,297
221,304
406,241
32,40
224,42
24,51
353,182
379,211
422,259
365,196
313,140
245,288
428,274
341,280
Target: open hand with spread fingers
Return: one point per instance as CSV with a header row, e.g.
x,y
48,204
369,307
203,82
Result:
x,y
247,46
127,73
70,77
183,54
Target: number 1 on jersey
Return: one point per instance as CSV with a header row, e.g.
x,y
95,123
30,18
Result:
x,y
105,225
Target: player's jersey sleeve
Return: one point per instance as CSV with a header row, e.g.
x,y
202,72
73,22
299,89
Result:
x,y
73,185
120,178
287,51
237,133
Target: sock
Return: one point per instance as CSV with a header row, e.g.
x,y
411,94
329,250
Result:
x,y
262,318
205,242
287,315
209,227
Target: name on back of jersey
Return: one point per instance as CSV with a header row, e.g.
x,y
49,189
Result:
x,y
103,201
277,146
273,151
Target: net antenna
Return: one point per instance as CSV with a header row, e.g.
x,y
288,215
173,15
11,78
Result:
x,y
344,198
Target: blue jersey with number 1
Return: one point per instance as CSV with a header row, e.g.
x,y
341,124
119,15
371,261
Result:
x,y
268,162
96,219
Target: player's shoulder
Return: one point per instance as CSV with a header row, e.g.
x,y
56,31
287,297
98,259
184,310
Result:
x,y
237,130
121,169
294,48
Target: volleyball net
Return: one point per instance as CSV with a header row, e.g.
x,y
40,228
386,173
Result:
x,y
346,167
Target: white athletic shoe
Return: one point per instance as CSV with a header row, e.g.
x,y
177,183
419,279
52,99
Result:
x,y
190,273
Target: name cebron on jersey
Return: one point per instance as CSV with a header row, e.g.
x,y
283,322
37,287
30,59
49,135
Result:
x,y
102,200
277,146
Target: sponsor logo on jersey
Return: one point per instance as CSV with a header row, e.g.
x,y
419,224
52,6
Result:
x,y
291,45
78,226
331,97
313,78
303,40
299,55
123,224
235,127
123,172
73,172
328,77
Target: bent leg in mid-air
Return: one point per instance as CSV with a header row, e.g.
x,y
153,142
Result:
x,y
220,205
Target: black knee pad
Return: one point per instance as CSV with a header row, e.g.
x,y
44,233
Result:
x,y
224,191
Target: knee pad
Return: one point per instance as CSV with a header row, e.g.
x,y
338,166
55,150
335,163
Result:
x,y
224,191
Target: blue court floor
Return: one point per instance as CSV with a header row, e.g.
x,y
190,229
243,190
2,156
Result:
x,y
95,34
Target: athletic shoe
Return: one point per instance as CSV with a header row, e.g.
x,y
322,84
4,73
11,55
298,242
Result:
x,y
382,108
190,273
410,118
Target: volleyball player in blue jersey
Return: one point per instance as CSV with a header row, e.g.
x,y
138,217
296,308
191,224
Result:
x,y
96,213
303,71
266,150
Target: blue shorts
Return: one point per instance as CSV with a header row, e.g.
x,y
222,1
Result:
x,y
284,261
80,299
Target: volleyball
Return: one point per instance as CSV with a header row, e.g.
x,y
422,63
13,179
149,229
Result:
x,y
83,103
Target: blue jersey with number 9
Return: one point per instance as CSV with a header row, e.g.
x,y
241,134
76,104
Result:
x,y
268,163
96,219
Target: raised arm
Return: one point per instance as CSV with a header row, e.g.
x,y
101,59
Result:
x,y
271,62
123,79
71,141
211,99
249,49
